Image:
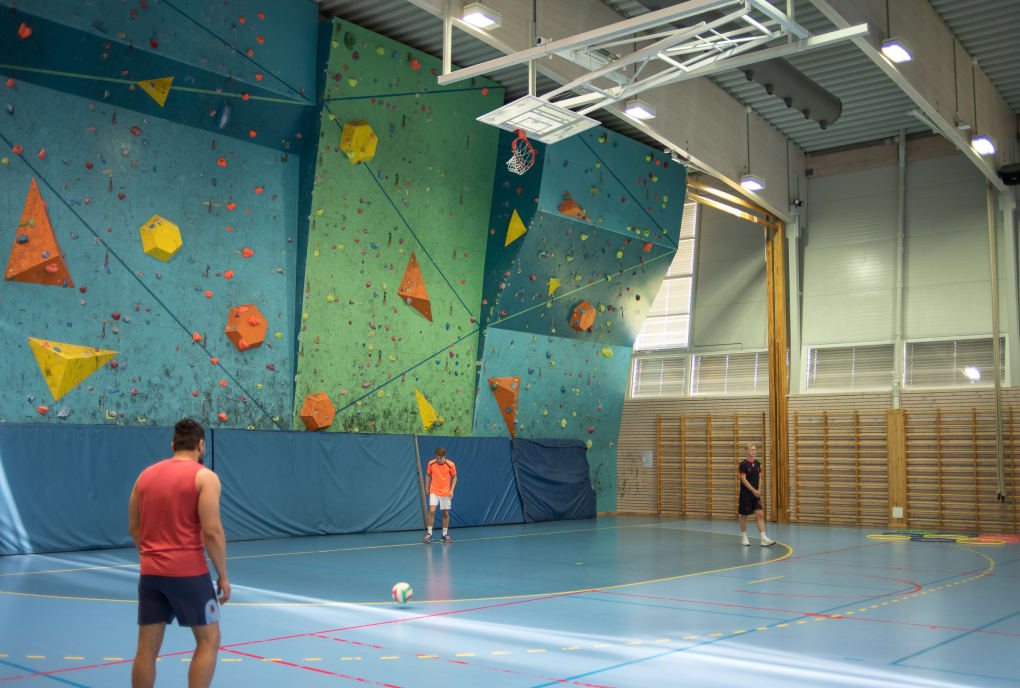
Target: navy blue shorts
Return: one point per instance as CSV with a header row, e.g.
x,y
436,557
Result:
x,y
190,599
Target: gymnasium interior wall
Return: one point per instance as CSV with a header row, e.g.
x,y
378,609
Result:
x,y
219,158
847,268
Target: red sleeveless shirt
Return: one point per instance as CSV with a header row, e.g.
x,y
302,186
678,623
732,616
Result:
x,y
171,542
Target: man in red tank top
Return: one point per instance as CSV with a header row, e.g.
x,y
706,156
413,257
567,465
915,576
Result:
x,y
174,520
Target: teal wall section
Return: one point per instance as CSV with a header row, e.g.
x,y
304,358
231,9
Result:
x,y
614,256
428,191
113,158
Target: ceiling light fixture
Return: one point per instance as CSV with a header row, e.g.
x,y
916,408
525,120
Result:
x,y
983,145
481,16
897,50
752,182
639,109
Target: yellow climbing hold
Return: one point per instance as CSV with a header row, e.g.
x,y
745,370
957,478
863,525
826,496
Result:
x,y
607,351
515,230
554,284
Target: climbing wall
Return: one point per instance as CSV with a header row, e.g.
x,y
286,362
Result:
x,y
577,249
160,142
396,244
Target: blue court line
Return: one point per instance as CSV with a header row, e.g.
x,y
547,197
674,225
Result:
x,y
401,374
625,188
407,224
408,93
49,676
135,276
672,608
960,673
710,642
239,52
955,637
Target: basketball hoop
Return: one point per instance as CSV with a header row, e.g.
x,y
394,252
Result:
x,y
524,155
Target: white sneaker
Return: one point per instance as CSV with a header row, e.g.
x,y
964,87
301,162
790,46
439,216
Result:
x,y
745,542
767,542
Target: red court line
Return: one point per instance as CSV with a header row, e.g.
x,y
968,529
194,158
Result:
x,y
409,618
315,669
917,588
471,664
839,617
794,594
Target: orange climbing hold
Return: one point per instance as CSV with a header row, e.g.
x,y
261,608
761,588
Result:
x,y
317,411
583,317
570,208
507,391
247,252
412,289
36,256
246,327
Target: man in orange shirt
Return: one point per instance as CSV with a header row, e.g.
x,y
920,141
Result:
x,y
174,520
440,479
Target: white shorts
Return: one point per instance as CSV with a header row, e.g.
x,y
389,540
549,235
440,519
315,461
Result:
x,y
443,502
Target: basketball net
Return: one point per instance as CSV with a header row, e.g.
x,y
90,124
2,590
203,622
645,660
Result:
x,y
524,155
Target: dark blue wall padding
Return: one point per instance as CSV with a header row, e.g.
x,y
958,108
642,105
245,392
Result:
x,y
66,487
278,484
553,479
486,491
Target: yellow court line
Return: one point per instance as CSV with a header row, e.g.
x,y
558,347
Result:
x,y
789,552
762,580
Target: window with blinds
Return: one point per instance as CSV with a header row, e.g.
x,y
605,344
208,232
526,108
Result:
x,y
952,363
743,373
668,323
659,377
850,368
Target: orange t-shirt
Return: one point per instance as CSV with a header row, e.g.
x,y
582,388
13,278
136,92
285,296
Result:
x,y
442,476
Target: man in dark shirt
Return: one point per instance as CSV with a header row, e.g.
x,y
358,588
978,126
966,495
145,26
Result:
x,y
750,496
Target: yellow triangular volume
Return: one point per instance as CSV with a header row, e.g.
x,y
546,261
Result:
x,y
158,89
554,284
429,417
65,366
516,229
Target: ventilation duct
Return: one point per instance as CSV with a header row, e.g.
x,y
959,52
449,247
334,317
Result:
x,y
782,80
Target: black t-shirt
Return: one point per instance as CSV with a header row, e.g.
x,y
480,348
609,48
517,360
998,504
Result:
x,y
751,469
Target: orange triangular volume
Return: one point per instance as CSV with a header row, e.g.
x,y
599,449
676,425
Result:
x,y
507,391
36,256
412,289
158,89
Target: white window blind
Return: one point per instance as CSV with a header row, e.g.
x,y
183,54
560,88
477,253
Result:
x,y
743,373
952,363
659,377
850,368
667,325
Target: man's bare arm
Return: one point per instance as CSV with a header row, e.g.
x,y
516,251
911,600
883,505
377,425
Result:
x,y
208,485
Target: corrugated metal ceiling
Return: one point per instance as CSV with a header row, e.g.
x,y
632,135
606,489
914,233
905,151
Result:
x,y
990,31
873,106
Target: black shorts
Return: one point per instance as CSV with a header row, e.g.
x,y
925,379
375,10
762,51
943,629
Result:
x,y
748,504
189,599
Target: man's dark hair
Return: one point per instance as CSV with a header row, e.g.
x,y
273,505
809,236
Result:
x,y
441,452
187,434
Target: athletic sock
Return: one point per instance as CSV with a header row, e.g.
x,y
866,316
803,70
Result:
x,y
444,531
430,530
764,535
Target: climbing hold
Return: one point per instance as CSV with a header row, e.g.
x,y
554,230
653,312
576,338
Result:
x,y
159,89
247,252
196,337
412,289
38,258
515,230
429,417
583,317
222,416
506,390
24,31
358,141
317,411
554,284
229,274
161,238
65,366
607,351
570,208
17,149
246,327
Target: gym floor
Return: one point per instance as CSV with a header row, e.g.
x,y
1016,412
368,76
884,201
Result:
x,y
619,601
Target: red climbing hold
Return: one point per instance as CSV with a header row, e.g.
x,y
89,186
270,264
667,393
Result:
x,y
197,337
222,162
42,154
10,83
17,149
229,274
231,205
247,252
214,361
252,133
24,31
222,416
41,409
415,65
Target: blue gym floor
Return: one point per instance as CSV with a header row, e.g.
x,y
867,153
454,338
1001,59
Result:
x,y
621,601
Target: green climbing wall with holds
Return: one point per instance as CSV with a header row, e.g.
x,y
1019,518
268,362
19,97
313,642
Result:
x,y
426,190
